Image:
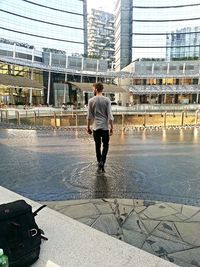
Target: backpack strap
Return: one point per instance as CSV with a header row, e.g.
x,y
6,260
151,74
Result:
x,y
41,231
44,237
39,209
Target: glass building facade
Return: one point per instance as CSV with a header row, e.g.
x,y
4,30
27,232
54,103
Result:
x,y
45,24
34,32
123,33
184,44
152,21
47,68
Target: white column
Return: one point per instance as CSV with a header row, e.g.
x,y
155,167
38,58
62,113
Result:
x,y
82,64
31,90
167,68
14,50
183,68
82,68
197,99
30,96
64,93
97,65
152,70
49,79
165,98
48,88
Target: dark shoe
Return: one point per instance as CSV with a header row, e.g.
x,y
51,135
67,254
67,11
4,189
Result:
x,y
102,168
101,164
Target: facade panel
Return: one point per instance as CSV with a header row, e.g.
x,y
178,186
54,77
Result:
x,y
155,26
101,35
45,24
184,44
123,33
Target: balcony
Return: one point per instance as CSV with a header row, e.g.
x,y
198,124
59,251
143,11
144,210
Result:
x,y
160,89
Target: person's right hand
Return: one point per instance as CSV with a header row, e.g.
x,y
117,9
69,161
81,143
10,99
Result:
x,y
89,131
111,131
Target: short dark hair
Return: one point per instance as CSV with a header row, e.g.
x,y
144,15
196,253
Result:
x,y
98,87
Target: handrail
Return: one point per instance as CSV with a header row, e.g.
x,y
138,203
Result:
x,y
6,114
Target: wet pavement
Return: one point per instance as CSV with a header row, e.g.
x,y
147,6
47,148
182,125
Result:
x,y
146,173
60,165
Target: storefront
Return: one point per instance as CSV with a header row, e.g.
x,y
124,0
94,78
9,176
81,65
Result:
x,y
16,90
78,94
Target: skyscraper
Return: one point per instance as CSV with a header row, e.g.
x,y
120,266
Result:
x,y
42,24
151,21
123,33
101,35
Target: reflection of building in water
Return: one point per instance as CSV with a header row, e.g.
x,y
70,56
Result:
x,y
196,135
164,135
181,135
184,43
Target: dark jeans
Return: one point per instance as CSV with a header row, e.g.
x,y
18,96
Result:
x,y
101,136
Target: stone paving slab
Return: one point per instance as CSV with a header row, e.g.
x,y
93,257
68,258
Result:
x,y
170,231
73,244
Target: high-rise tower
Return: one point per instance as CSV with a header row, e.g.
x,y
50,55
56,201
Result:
x,y
145,26
42,24
101,35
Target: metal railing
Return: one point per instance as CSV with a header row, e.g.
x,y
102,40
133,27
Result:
x,y
57,117
115,109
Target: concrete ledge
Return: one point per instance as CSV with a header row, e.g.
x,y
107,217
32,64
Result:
x,y
76,245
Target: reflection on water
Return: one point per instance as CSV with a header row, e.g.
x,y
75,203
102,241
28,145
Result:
x,y
101,189
181,135
164,135
54,165
144,135
196,135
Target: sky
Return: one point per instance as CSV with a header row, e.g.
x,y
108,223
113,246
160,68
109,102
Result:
x,y
106,5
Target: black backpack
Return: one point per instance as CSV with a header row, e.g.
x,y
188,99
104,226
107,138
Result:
x,y
20,237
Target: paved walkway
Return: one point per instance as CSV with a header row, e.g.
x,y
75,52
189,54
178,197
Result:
x,y
73,244
170,231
